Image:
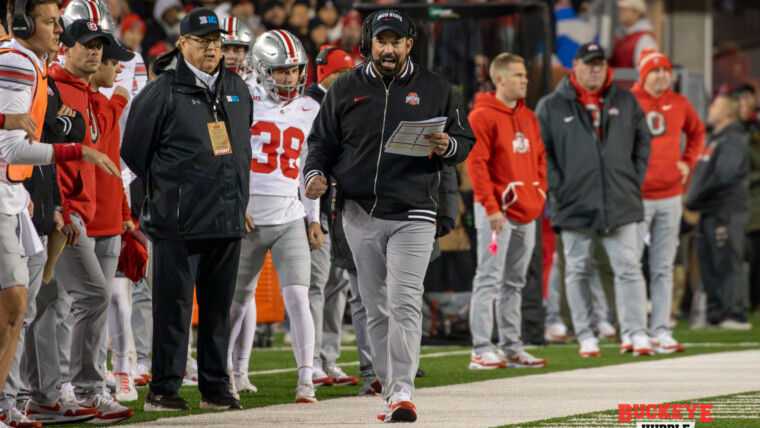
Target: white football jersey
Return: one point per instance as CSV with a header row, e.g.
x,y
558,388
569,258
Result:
x,y
278,142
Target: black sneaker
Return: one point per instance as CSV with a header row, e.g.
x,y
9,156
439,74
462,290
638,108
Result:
x,y
220,402
160,403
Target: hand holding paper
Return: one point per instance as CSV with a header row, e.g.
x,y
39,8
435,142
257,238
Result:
x,y
414,138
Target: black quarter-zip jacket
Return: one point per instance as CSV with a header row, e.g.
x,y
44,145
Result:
x,y
191,194
358,115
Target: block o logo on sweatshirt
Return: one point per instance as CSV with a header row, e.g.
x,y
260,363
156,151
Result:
x,y
520,144
412,99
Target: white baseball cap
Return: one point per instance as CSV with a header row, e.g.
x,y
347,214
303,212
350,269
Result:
x,y
637,5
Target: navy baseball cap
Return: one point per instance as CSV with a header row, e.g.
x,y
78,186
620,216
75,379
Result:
x,y
198,22
589,51
65,37
116,51
83,30
390,20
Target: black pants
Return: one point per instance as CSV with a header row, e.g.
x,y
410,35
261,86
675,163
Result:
x,y
211,266
754,273
720,253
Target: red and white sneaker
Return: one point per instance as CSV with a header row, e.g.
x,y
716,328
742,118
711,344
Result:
x,y
487,360
320,378
589,348
383,411
14,418
641,345
524,359
305,393
401,409
665,344
191,374
125,387
108,409
59,412
143,372
605,330
340,378
626,345
556,331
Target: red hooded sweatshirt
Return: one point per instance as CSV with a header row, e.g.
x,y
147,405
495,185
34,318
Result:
x,y
77,179
111,203
668,116
507,166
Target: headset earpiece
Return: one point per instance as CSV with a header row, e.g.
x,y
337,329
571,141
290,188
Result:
x,y
322,56
22,25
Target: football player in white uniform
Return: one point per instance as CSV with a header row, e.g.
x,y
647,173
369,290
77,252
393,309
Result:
x,y
282,120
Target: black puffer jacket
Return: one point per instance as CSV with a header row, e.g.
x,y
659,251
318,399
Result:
x,y
594,183
191,194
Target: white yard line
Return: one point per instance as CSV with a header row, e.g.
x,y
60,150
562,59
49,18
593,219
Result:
x,y
520,399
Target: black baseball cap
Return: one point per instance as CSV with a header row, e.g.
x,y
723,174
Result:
x,y
83,30
390,20
65,37
116,51
589,51
199,21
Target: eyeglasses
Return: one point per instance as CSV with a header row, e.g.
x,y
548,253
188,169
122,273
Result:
x,y
204,43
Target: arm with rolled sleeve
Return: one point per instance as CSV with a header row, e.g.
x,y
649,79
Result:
x,y
324,141
641,143
461,138
143,129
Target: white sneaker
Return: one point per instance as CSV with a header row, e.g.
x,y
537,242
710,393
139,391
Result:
x,y
320,378
524,359
305,393
125,387
59,412
641,345
487,360
401,409
67,391
556,331
110,380
626,344
109,410
730,324
143,371
14,418
340,378
605,330
191,374
665,344
589,348
243,383
383,411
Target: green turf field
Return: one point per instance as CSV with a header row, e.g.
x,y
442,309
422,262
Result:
x,y
448,365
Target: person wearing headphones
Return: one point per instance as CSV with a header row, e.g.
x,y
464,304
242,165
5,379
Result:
x,y
390,195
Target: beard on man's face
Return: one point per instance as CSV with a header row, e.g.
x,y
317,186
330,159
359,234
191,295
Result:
x,y
388,64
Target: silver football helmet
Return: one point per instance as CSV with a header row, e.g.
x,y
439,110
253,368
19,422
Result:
x,y
239,34
91,11
278,49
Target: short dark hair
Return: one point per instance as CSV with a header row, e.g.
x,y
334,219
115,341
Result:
x,y
30,5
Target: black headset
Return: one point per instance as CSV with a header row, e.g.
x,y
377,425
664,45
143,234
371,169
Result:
x,y
365,47
322,57
22,24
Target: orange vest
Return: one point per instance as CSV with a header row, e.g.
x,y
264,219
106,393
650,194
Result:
x,y
18,173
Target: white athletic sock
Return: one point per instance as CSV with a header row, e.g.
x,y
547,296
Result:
x,y
296,299
237,314
119,327
244,342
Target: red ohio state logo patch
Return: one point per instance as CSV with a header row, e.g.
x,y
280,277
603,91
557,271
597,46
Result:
x,y
412,99
92,26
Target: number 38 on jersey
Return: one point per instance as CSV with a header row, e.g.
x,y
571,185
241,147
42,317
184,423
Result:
x,y
275,148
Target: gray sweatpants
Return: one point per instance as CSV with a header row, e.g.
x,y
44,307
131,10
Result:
x,y
81,275
622,248
142,320
327,301
359,319
600,311
662,222
107,250
391,260
17,379
499,279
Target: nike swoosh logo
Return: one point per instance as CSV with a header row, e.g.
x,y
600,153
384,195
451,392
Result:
x,y
305,109
667,107
360,98
569,119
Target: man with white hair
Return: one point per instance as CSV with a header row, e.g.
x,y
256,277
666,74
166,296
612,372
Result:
x,y
635,34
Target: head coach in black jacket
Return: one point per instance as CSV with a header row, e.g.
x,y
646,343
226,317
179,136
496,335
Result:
x,y
597,150
391,200
188,139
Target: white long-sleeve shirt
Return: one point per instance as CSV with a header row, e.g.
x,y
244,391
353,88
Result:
x,y
18,79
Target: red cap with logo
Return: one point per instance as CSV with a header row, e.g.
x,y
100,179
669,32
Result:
x,y
332,59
